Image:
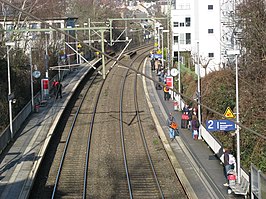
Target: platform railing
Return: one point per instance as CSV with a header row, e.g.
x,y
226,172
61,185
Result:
x,y
258,183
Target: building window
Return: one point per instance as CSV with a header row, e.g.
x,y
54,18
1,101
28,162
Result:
x,y
210,31
176,24
210,7
182,24
175,56
188,38
175,40
187,19
211,54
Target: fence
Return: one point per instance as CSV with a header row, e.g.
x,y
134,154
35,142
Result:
x,y
258,183
214,144
5,136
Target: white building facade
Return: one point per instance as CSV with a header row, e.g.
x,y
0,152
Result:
x,y
197,27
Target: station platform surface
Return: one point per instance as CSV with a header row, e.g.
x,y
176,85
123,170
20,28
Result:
x,y
20,160
200,165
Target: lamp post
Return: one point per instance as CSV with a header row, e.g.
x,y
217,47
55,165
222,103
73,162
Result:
x,y
68,57
168,46
161,28
31,80
103,57
236,53
76,41
10,97
179,75
198,92
46,55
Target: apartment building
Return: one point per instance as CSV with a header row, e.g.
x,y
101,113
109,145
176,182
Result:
x,y
199,31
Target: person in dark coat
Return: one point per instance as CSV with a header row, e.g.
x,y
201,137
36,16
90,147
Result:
x,y
59,90
227,166
195,127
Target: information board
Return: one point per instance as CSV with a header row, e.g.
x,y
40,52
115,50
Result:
x,y
220,125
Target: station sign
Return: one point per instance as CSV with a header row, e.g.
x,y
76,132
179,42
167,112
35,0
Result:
x,y
169,82
156,56
220,125
45,88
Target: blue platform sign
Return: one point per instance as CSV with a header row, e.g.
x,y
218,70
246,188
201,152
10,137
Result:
x,y
220,125
156,56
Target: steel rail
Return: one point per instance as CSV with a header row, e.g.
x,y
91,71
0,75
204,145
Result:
x,y
68,139
143,136
85,182
123,138
122,135
84,195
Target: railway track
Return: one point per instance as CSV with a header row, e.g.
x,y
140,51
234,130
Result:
x,y
143,181
108,119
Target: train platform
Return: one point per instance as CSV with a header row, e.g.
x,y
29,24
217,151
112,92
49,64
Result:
x,y
20,160
201,167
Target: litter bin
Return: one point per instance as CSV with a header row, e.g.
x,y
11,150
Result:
x,y
175,105
231,176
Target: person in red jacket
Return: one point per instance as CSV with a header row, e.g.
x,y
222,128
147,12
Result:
x,y
54,86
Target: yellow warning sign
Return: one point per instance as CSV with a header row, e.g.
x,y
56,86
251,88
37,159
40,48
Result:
x,y
229,113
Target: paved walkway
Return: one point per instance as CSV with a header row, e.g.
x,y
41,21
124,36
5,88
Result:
x,y
20,160
202,168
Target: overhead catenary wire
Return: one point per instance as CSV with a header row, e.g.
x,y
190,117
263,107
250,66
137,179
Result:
x,y
119,62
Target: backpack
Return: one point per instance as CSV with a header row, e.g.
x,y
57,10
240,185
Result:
x,y
173,125
232,159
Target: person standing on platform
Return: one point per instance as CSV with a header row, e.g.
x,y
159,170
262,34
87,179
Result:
x,y
166,93
185,117
189,117
172,126
152,65
54,86
227,166
195,127
59,90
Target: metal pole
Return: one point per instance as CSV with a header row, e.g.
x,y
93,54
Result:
x,y
199,107
111,32
159,45
9,93
89,24
46,56
103,57
76,41
168,51
126,30
31,81
237,127
169,2
162,51
179,75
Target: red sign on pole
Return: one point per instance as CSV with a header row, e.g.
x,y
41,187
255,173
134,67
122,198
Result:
x,y
169,82
45,88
